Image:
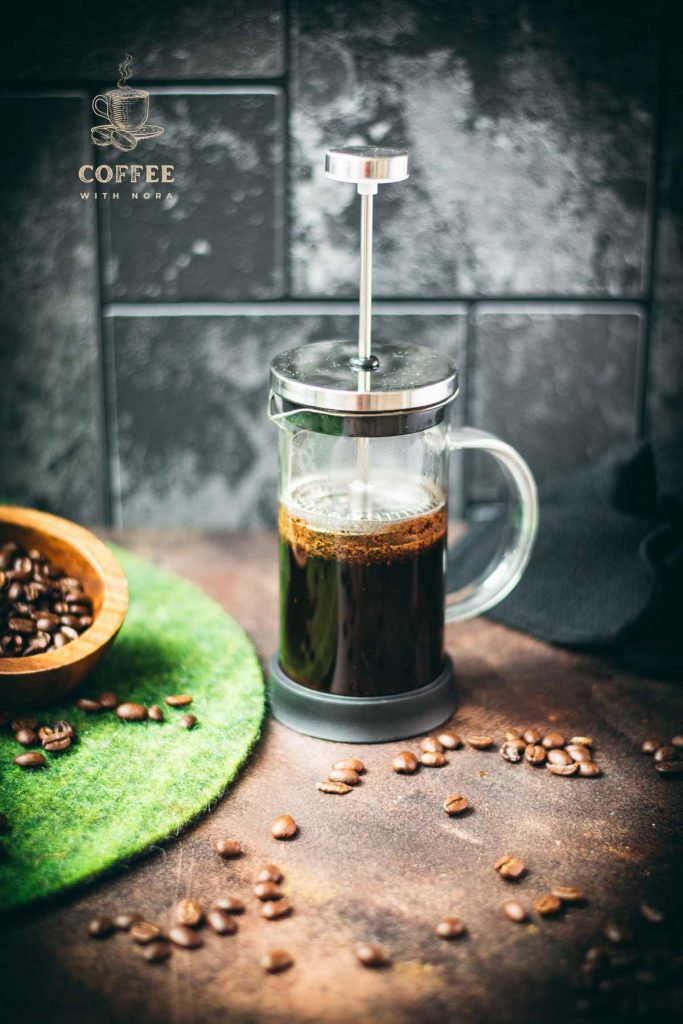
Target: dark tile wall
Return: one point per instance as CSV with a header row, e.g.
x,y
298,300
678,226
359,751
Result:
x,y
539,239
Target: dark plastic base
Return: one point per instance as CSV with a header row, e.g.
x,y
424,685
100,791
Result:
x,y
360,719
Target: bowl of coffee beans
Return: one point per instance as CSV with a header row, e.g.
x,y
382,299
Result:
x,y
63,598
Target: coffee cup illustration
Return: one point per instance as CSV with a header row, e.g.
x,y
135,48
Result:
x,y
126,113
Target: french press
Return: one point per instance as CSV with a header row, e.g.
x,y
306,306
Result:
x,y
363,516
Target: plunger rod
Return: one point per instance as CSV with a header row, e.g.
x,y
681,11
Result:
x,y
365,312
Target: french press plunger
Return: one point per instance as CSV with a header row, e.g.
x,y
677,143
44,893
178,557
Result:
x,y
363,500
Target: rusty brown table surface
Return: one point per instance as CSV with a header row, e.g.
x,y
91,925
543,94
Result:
x,y
383,863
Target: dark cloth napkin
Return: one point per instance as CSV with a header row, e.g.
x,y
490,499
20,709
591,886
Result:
x,y
606,573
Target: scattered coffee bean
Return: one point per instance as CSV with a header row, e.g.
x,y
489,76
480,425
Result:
x,y
108,700
556,756
433,759
156,951
513,750
333,787
509,867
178,700
31,759
548,905
349,764
581,741
579,753
284,827
479,742
553,740
221,922
405,763
649,746
455,804
450,928
563,769
126,919
101,927
274,909
449,740
532,736
670,769
227,847
511,735
269,873
57,743
535,754
515,911
616,933
667,753
651,914
130,712
57,731
589,770
567,893
19,724
276,960
345,775
431,744
186,938
188,912
677,741
155,713
229,904
90,707
267,891
188,721
26,737
143,932
372,955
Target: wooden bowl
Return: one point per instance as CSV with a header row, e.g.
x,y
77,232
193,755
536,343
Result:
x,y
43,678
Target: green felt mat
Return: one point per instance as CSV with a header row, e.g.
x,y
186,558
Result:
x,y
124,786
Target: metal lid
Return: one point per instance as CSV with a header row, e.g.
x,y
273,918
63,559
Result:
x,y
356,164
321,376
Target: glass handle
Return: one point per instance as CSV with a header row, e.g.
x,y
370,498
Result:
x,y
505,571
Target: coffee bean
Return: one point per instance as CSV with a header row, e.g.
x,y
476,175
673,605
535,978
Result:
x,y
532,736
535,754
126,919
515,911
276,908
616,933
188,912
143,932
91,707
649,746
670,769
26,627
589,769
512,735
372,955
556,756
221,922
333,787
58,728
513,750
267,891
269,873
509,867
563,769
405,763
667,753
70,634
155,713
57,744
26,737
345,775
284,827
31,759
677,741
581,741
227,847
553,740
130,712
188,721
450,928
651,914
178,700
455,804
449,740
186,938
349,764
479,742
567,893
276,960
19,724
157,951
433,759
101,927
430,744
108,700
229,904
579,753
548,905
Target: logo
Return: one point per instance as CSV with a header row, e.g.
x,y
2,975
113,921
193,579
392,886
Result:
x,y
126,112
